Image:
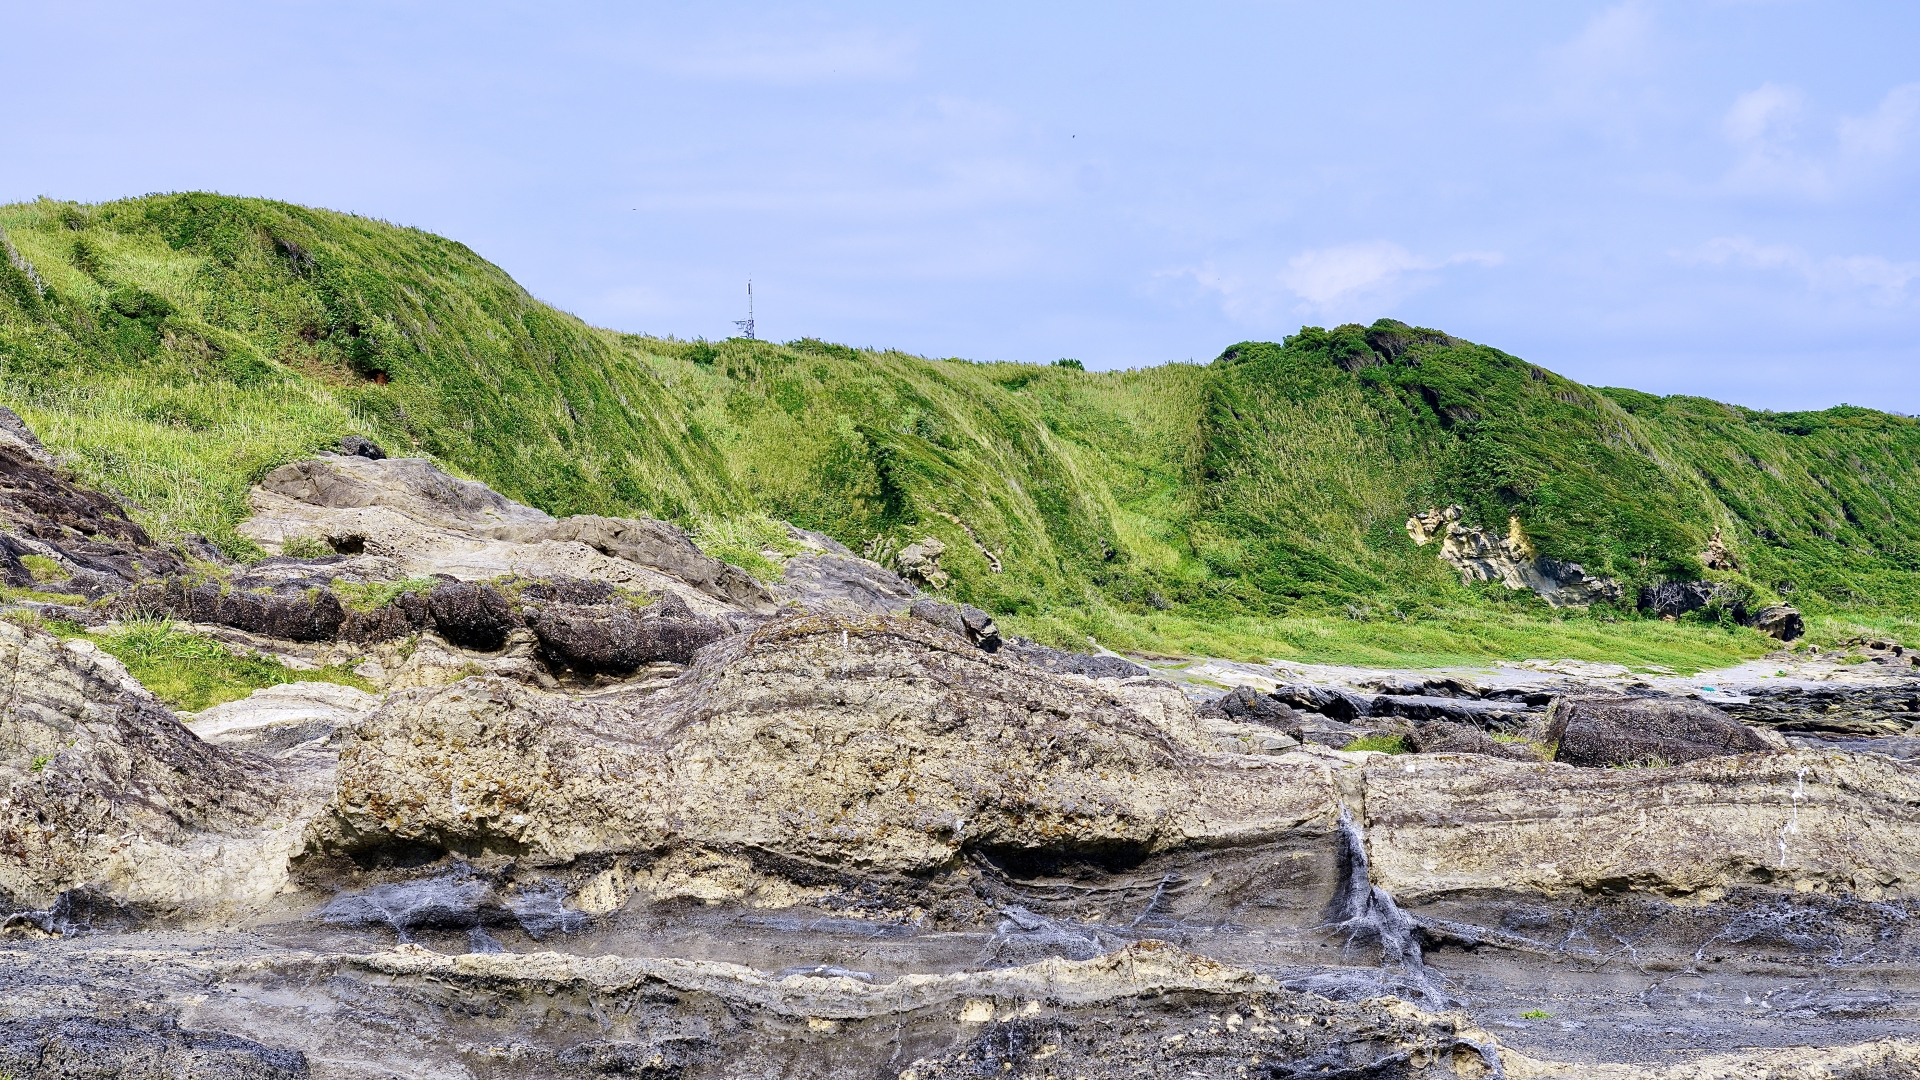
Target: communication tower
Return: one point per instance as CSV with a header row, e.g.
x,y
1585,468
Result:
x,y
746,324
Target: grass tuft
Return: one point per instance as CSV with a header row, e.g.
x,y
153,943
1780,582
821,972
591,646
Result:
x,y
191,672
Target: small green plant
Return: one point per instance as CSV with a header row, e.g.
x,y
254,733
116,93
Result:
x,y
305,547
1386,744
191,672
366,596
39,762
44,569
1536,1014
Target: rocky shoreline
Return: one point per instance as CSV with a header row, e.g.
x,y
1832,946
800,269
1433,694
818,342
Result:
x,y
612,807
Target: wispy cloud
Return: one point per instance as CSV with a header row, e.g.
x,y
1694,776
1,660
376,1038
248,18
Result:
x,y
1768,128
1340,282
1881,281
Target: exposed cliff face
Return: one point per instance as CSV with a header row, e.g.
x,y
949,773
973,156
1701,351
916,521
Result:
x,y
1510,560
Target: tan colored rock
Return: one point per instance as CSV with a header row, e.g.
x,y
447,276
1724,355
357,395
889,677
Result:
x,y
101,786
427,522
1510,560
875,744
1813,821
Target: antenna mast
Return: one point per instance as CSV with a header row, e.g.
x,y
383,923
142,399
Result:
x,y
746,324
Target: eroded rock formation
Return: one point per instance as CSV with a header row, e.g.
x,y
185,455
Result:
x,y
1510,560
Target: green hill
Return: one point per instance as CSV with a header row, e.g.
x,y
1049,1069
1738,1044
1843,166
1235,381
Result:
x,y
176,347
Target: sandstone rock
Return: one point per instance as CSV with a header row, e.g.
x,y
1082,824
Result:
x,y
1444,825
936,748
1597,731
276,719
1510,560
963,620
920,563
1718,556
430,523
1780,621
101,785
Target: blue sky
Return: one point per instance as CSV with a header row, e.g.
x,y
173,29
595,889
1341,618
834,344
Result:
x,y
1692,196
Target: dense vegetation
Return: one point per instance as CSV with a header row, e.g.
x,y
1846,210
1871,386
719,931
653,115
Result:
x,y
176,347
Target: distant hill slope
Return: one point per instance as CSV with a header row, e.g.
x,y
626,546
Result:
x,y
176,347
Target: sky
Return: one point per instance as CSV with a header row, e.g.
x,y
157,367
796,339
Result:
x,y
1715,197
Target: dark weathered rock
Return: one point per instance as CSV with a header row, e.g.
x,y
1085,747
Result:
x,y
1780,621
1336,702
615,639
1446,737
471,616
361,446
1644,731
290,613
1061,662
568,590
964,620
1246,703
1496,714
92,1047
1672,599
409,613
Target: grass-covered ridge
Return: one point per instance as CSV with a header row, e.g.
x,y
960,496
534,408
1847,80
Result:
x,y
176,347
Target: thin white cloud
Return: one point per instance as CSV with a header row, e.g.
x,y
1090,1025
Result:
x,y
1766,128
1881,281
1347,281
1602,76
840,56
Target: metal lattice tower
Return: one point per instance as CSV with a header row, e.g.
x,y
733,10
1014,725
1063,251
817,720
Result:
x,y
746,324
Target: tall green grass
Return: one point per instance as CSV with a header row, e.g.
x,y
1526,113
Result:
x,y
185,344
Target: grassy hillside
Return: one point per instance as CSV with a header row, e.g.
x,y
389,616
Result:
x,y
177,347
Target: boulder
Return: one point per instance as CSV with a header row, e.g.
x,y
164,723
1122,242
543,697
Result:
x,y
1336,702
471,616
1780,621
920,563
361,446
617,639
1446,737
1246,703
1601,731
287,612
1500,715
963,620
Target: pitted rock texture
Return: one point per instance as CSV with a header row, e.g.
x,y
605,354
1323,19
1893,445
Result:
x,y
1827,821
1599,731
877,744
103,786
430,523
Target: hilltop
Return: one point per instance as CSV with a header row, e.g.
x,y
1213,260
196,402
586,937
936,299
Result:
x,y
175,348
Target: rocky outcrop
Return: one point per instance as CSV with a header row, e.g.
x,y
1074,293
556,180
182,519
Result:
x,y
1613,731
1510,560
920,564
1780,621
104,787
1813,821
1061,662
937,748
961,620
428,523
1446,737
614,637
